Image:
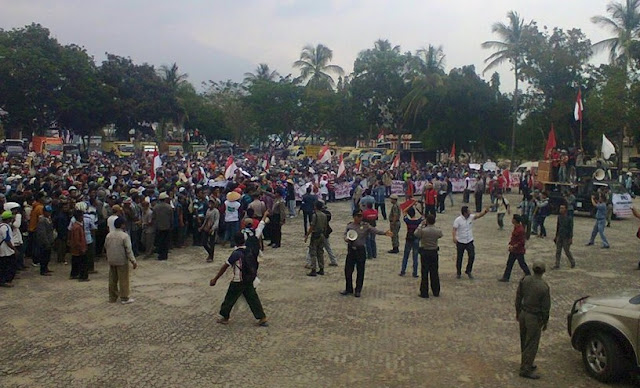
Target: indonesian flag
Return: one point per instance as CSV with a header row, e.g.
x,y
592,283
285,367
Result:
x,y
324,155
414,166
230,168
203,173
341,168
396,162
551,143
381,136
577,111
453,151
157,163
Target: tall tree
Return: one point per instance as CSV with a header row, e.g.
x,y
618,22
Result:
x,y
314,64
262,72
172,77
624,23
508,49
426,74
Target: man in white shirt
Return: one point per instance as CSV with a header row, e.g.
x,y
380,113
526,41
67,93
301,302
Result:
x,y
463,239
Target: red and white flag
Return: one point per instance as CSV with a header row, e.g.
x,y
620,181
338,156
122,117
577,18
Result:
x,y
265,163
324,156
414,166
381,136
396,162
156,164
452,155
230,168
341,168
577,110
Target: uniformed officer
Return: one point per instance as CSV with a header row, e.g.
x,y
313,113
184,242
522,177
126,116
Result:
x,y
356,254
429,236
533,302
316,246
394,223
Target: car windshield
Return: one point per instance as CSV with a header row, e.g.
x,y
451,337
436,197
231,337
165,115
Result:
x,y
126,147
14,149
53,147
617,188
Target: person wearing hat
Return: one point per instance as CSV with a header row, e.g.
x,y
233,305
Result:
x,y
231,217
7,251
533,303
162,219
119,254
356,254
78,248
44,240
317,229
394,223
16,234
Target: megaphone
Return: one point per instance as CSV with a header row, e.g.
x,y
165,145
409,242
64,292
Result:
x,y
599,174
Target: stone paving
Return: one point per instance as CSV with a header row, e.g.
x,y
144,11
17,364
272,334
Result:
x,y
61,333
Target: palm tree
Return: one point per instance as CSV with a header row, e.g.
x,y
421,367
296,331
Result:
x,y
431,59
429,70
262,72
508,49
314,66
172,76
625,25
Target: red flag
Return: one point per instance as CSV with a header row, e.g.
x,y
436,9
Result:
x,y
551,143
453,151
324,155
407,204
414,166
381,136
577,110
341,168
266,162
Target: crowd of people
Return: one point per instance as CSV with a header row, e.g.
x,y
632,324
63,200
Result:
x,y
80,211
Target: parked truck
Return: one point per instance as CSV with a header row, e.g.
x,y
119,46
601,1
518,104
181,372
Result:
x,y
49,145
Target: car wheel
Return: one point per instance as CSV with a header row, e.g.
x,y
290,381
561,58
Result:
x,y
602,357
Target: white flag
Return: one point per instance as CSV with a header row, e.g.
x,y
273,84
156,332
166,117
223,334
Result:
x,y
608,148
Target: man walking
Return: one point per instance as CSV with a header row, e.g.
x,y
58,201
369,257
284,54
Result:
x,y
317,230
78,248
162,216
241,283
564,236
7,251
429,236
533,303
478,191
516,249
430,199
119,255
307,207
379,194
502,205
394,223
463,239
601,220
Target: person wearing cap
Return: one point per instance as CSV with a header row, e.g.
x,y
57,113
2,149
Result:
x,y
231,217
16,234
356,254
44,240
7,251
533,303
317,229
394,223
119,255
162,219
428,235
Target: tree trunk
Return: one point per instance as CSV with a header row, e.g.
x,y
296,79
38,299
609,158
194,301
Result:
x,y
515,115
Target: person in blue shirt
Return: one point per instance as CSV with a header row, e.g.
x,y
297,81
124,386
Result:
x,y
601,220
379,194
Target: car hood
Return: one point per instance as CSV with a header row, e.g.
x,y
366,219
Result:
x,y
618,300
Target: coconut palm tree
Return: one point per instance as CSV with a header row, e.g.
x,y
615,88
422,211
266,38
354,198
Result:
x,y
624,22
172,76
314,66
431,59
508,49
428,71
262,72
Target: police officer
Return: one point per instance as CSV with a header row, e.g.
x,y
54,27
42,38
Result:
x,y
316,230
356,254
429,236
533,302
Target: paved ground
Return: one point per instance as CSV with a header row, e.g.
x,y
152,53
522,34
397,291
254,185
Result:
x,y
61,333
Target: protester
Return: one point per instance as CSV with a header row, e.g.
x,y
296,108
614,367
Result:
x,y
429,235
394,223
564,236
412,243
601,218
119,255
7,251
516,249
209,229
463,239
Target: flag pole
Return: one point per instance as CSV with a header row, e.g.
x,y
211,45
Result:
x,y
581,134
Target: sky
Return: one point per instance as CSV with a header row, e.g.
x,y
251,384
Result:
x,y
223,39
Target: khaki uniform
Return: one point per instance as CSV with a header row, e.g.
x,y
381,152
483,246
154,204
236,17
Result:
x,y
316,245
533,302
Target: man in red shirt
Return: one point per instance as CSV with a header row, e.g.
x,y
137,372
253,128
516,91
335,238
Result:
x,y
430,200
516,249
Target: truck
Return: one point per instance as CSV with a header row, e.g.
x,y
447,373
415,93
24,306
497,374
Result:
x,y
119,148
171,148
146,147
49,145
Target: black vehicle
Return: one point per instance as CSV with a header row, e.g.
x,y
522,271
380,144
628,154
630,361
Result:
x,y
583,191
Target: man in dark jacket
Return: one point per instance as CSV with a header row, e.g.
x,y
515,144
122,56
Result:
x,y
161,219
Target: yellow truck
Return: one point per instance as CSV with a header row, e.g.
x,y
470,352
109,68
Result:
x,y
119,148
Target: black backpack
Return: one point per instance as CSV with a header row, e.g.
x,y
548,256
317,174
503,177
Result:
x,y
250,257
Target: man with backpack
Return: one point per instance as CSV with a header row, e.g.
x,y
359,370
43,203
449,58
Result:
x,y
317,231
244,261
